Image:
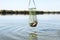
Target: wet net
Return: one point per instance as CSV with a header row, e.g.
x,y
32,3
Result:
x,y
32,17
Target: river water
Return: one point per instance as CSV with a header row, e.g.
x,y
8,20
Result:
x,y
16,27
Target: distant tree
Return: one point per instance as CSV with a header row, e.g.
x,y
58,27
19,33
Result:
x,y
16,12
3,12
0,12
10,12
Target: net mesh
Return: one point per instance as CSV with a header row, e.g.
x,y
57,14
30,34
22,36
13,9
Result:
x,y
32,17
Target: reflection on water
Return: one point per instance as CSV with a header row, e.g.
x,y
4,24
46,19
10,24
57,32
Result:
x,y
32,36
16,27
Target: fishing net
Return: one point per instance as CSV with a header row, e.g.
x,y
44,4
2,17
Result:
x,y
32,17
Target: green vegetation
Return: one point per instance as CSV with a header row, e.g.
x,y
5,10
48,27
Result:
x,y
11,12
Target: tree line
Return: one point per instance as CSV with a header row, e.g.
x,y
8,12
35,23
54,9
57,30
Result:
x,y
11,12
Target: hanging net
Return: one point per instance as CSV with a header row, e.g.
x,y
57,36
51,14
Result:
x,y
32,17
32,14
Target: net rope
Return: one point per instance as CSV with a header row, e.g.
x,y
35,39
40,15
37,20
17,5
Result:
x,y
33,3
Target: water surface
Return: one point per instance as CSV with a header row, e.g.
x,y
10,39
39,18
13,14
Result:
x,y
16,27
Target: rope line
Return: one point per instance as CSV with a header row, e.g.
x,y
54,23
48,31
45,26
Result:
x,y
33,3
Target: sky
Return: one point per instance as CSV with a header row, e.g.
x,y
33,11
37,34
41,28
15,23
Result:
x,y
43,5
